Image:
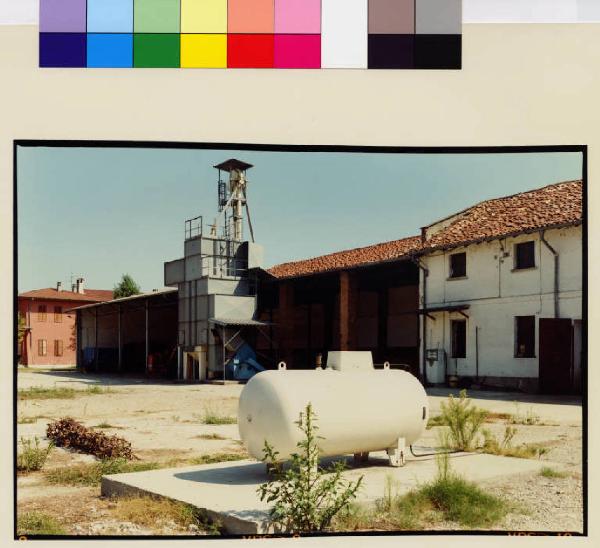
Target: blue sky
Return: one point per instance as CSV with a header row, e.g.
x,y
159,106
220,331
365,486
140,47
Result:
x,y
100,213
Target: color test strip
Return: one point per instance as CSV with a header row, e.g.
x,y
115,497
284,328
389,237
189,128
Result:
x,y
376,34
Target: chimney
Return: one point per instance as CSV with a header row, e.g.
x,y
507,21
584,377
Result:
x,y
58,286
73,288
80,285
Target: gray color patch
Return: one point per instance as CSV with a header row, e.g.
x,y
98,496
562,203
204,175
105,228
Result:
x,y
438,16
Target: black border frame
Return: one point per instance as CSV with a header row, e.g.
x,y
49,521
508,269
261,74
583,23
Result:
x,y
48,143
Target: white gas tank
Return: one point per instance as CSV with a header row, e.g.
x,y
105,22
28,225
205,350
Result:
x,y
358,408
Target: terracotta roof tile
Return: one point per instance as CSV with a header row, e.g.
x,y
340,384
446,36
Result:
x,y
90,295
350,258
553,205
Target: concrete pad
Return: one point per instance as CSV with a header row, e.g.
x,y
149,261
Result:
x,y
227,491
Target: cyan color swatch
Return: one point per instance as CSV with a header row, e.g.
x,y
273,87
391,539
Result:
x,y
110,16
110,50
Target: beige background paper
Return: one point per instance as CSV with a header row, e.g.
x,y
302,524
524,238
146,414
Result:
x,y
520,85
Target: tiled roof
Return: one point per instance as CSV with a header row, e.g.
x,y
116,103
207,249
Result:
x,y
90,295
553,205
345,259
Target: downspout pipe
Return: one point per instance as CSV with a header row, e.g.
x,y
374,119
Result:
x,y
556,278
425,271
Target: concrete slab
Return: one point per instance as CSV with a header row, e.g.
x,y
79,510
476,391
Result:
x,y
227,492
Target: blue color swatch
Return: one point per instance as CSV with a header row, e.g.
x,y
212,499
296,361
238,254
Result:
x,y
110,50
59,49
110,16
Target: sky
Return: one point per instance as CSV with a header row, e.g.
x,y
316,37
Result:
x,y
99,213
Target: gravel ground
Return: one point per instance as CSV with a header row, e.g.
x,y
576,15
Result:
x,y
163,420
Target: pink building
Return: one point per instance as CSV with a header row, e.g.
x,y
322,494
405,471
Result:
x,y
50,333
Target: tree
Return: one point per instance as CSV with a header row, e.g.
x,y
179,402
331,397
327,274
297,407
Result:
x,y
126,287
306,497
22,325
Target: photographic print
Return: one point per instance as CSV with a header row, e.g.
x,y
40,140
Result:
x,y
247,340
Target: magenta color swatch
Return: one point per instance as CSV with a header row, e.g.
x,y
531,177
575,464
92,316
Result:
x,y
297,16
298,51
63,15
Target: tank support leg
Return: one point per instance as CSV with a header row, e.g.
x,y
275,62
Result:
x,y
397,453
361,458
274,468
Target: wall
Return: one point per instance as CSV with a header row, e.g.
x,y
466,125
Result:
x,y
50,331
496,294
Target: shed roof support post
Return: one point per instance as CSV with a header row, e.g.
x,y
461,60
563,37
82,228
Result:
x,y
96,339
285,328
147,337
120,363
347,310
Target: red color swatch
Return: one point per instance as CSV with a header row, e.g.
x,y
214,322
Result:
x,y
250,50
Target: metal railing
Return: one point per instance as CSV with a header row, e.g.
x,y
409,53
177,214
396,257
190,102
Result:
x,y
193,227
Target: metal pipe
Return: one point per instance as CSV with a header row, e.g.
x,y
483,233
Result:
x,y
556,278
477,353
416,261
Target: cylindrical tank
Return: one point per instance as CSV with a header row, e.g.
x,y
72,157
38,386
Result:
x,y
356,411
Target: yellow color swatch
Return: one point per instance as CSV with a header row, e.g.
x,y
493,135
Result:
x,y
204,16
203,51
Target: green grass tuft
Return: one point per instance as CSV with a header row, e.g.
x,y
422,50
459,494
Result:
x,y
32,457
548,472
38,523
58,392
213,436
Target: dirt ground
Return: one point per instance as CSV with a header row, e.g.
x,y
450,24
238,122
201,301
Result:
x,y
163,421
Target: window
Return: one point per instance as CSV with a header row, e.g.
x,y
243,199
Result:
x,y
58,314
41,313
458,265
525,337
459,338
42,347
58,347
525,255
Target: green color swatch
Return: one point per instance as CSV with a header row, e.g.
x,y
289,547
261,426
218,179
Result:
x,y
156,16
156,50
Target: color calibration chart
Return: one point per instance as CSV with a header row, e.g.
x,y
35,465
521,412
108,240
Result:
x,y
284,34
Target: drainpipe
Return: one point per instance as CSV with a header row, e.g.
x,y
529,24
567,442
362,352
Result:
x,y
556,279
416,261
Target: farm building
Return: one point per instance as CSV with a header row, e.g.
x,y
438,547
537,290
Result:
x,y
490,296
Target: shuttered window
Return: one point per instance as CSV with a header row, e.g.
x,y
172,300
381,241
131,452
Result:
x,y
41,316
58,314
58,347
42,347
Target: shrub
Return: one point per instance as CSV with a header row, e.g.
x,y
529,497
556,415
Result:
x,y
306,497
37,523
68,432
32,456
463,419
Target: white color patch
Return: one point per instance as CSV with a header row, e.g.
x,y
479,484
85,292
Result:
x,y
344,27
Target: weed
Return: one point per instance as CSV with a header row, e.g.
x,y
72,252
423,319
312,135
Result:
x,y
213,436
548,472
463,419
306,498
506,448
154,512
529,418
38,523
58,392
438,420
32,456
26,420
216,457
213,416
91,474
